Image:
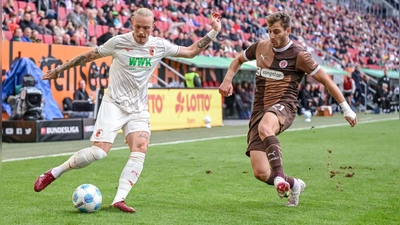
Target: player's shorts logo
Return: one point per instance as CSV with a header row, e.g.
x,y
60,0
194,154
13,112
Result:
x,y
283,64
99,133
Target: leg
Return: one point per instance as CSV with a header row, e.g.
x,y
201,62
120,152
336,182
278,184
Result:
x,y
268,128
138,142
78,160
137,135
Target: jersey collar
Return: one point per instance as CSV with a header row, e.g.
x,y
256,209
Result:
x,y
284,48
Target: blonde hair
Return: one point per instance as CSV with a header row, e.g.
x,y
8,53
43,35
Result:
x,y
143,12
279,16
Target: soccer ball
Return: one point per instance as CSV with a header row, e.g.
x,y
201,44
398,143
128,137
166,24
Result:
x,y
307,116
87,198
207,121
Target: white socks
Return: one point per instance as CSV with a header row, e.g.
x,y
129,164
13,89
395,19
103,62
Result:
x,y
79,160
129,175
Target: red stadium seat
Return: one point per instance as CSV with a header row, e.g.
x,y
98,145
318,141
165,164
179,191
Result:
x,y
47,39
92,29
62,13
7,34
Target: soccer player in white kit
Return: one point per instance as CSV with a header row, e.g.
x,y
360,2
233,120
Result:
x,y
135,56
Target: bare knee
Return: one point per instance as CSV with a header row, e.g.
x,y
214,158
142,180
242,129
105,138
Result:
x,y
105,146
265,131
138,141
261,175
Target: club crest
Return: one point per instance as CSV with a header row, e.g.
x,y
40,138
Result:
x,y
283,64
152,50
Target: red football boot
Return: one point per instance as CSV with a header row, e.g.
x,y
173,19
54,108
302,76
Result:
x,y
123,207
43,181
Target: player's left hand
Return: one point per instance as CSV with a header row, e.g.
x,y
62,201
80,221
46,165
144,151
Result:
x,y
226,88
216,21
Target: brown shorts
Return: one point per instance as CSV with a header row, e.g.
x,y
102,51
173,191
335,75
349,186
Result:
x,y
285,113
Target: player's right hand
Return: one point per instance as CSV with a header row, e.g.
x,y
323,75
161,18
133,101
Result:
x,y
351,118
226,88
51,74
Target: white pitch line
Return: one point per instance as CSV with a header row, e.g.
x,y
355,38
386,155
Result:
x,y
202,139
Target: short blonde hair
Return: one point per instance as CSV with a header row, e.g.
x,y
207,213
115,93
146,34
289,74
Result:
x,y
143,12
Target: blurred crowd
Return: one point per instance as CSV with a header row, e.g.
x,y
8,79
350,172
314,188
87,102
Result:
x,y
329,31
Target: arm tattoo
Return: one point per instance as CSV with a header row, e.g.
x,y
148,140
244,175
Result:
x,y
202,43
80,60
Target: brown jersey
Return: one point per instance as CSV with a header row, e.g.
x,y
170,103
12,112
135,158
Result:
x,y
279,71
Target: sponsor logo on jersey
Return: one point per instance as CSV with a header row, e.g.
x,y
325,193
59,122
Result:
x,y
152,50
272,74
283,64
139,62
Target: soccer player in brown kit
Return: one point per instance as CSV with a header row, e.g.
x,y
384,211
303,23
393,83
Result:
x,y
281,65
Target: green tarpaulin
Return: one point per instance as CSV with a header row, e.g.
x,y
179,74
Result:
x,y
223,63
379,73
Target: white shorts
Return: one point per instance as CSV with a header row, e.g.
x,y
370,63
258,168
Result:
x,y
110,120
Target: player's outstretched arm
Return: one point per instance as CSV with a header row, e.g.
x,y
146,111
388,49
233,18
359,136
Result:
x,y
200,45
226,88
78,60
333,89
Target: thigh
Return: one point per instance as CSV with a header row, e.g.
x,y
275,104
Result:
x,y
284,114
138,141
109,122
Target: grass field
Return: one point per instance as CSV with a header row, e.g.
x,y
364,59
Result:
x,y
352,177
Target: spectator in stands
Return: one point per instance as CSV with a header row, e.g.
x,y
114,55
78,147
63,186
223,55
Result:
x,y
382,97
66,39
80,32
108,7
192,78
200,31
92,20
317,95
69,28
17,36
74,39
35,37
125,101
59,29
91,4
42,28
77,17
106,36
27,22
58,40
8,7
3,23
27,35
305,99
51,25
48,8
100,18
81,93
92,42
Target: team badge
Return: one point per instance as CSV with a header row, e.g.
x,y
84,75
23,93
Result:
x,y
99,132
283,64
152,50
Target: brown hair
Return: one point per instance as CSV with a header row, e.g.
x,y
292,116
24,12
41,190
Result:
x,y
279,16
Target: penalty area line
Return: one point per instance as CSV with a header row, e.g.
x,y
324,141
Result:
x,y
201,139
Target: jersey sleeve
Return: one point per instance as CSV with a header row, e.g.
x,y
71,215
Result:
x,y
306,63
250,52
108,48
170,49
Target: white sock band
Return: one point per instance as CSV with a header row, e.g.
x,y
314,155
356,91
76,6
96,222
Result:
x,y
212,34
130,175
80,159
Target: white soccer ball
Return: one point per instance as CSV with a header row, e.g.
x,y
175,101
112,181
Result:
x,y
207,121
87,198
307,116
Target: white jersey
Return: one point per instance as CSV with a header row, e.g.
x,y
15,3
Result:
x,y
131,68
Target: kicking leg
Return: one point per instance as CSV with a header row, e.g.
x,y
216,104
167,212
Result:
x,y
138,142
78,160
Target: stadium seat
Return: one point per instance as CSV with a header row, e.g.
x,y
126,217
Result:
x,y
62,13
100,3
7,34
47,39
92,29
